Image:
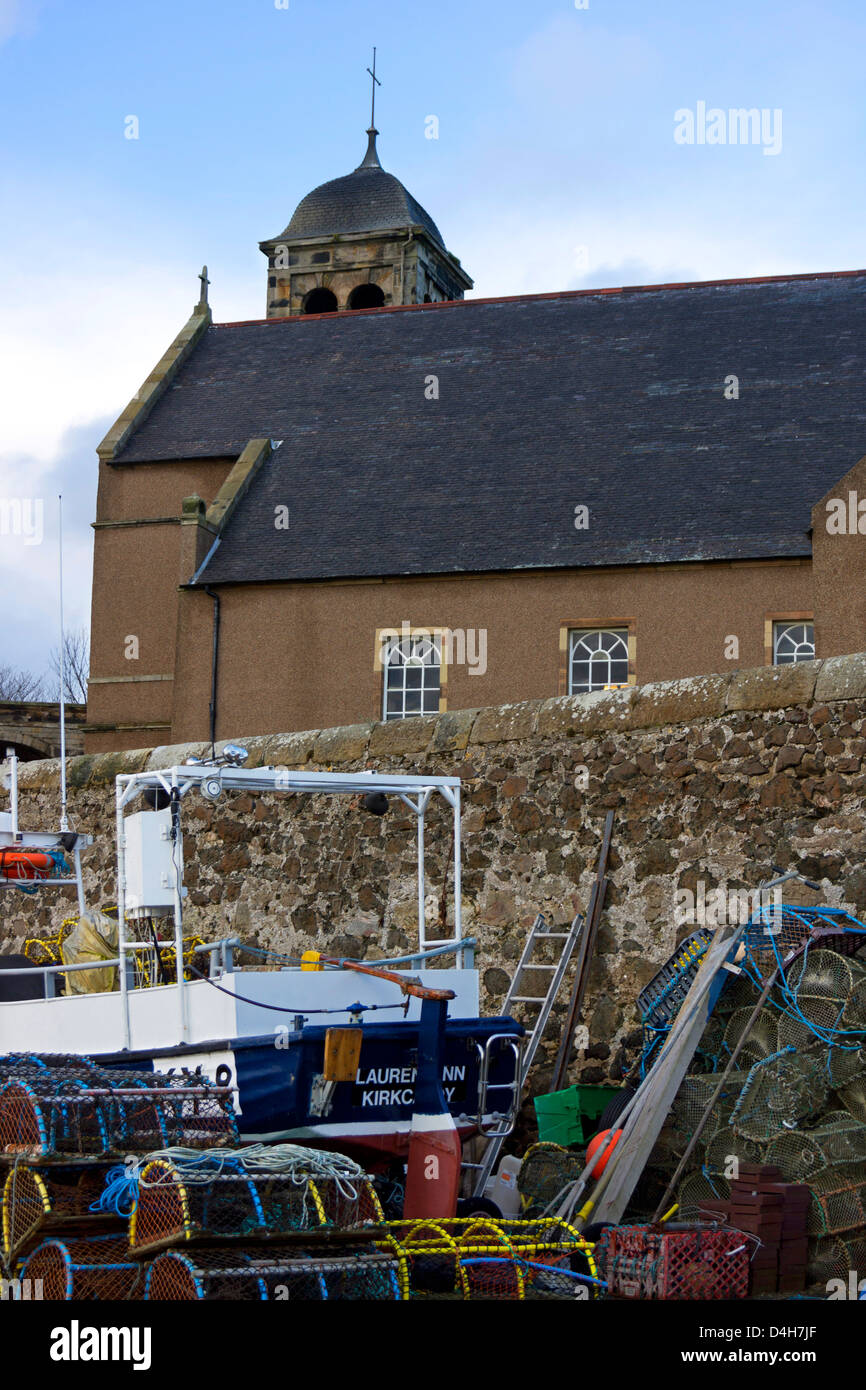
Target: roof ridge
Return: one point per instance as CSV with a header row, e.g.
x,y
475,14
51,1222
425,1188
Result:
x,y
558,294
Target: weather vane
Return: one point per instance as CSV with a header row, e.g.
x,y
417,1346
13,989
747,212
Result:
x,y
376,83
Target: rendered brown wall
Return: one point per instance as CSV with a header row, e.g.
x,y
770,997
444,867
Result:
x,y
136,573
839,562
296,656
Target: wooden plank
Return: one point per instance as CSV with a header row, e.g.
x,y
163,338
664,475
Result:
x,y
650,1107
587,945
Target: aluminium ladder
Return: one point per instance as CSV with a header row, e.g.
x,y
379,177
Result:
x,y
539,933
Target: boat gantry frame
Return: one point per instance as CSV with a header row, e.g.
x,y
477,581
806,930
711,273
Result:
x,y
214,778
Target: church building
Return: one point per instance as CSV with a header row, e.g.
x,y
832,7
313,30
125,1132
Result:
x,y
383,499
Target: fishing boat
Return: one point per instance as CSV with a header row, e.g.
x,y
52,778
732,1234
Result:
x,y
423,1059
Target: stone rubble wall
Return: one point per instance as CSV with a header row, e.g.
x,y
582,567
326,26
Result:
x,y
717,779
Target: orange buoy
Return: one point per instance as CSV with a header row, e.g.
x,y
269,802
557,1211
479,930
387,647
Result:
x,y
22,864
597,1142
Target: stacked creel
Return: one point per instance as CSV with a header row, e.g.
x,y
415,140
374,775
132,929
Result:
x,y
274,1274
478,1258
800,1106
64,1123
266,1223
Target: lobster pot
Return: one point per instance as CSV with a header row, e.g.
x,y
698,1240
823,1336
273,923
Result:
x,y
694,1096
853,1097
738,993
761,1039
669,1148
779,929
669,1263
845,1064
273,1275
37,1202
16,1062
709,1053
845,1047
478,1257
111,1114
545,1172
781,1091
724,1144
237,1202
839,1143
837,1205
511,1277
834,1258
819,979
696,1188
96,1270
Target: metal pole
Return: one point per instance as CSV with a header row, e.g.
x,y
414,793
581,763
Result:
x,y
79,886
177,858
64,822
13,789
458,880
121,911
422,925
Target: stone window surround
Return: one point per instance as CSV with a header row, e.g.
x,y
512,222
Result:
x,y
427,629
573,625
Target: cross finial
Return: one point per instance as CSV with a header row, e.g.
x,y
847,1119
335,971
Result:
x,y
202,299
376,83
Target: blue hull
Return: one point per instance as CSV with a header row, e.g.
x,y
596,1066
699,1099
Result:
x,y
275,1081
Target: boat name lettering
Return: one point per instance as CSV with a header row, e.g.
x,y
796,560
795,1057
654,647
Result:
x,y
404,1097
402,1076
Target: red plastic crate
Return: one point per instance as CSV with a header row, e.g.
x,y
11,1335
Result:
x,y
673,1263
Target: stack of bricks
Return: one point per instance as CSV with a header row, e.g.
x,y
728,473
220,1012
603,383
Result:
x,y
775,1214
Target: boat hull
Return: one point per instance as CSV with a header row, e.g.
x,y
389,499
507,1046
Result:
x,y
279,1095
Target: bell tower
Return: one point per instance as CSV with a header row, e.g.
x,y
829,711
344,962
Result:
x,y
360,242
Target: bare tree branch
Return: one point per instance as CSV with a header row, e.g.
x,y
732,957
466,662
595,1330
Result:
x,y
20,685
76,656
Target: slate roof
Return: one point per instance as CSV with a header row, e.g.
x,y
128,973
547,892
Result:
x,y
367,200
613,400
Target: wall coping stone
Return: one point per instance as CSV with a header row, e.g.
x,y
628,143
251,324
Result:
x,y
776,687
662,703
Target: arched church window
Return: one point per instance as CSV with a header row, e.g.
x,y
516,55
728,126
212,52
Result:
x,y
598,659
412,668
320,301
366,297
793,642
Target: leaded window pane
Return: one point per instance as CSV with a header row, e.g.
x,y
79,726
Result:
x,y
793,642
412,675
598,657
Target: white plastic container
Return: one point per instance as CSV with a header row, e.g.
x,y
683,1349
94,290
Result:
x,y
153,863
502,1186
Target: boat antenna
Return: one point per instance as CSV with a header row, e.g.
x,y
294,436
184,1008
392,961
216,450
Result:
x,y
64,821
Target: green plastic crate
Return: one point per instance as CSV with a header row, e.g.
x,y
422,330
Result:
x,y
571,1116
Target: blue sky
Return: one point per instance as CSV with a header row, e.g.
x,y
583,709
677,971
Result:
x,y
555,167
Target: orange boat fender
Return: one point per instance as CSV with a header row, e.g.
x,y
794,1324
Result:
x,y
24,863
